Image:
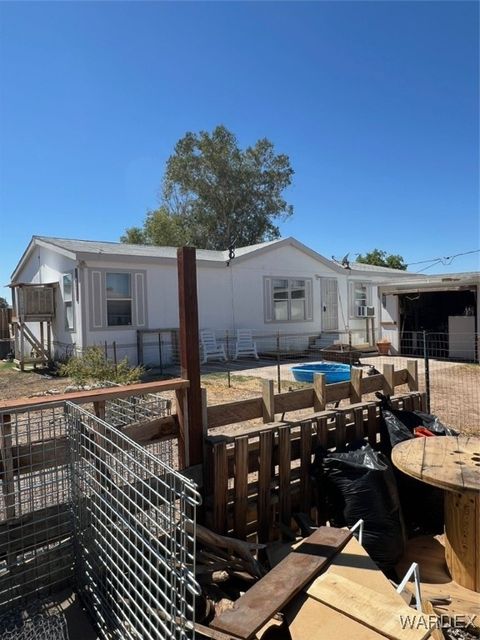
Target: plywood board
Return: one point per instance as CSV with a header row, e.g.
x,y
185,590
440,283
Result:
x,y
311,619
380,612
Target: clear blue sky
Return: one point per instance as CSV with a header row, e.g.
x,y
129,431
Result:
x,y
375,103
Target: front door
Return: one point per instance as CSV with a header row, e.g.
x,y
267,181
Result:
x,y
329,298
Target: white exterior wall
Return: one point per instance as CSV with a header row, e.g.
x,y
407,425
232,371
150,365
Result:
x,y
45,266
161,309
229,297
282,262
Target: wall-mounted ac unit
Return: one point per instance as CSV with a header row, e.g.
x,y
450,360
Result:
x,y
365,312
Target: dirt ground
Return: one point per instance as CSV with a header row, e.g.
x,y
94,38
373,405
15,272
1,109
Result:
x,y
455,389
15,384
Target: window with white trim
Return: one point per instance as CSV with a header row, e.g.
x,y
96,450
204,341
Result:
x,y
119,299
289,300
360,296
68,300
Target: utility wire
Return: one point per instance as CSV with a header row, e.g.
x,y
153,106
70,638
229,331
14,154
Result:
x,y
429,266
446,260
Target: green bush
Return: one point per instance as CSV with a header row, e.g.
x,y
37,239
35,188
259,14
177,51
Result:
x,y
93,367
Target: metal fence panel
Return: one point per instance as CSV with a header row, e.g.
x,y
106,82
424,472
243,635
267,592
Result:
x,y
122,412
36,554
134,532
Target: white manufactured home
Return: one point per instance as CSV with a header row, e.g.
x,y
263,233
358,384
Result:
x,y
106,292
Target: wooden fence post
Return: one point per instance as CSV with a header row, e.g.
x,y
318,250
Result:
x,y
190,421
412,368
268,401
319,392
264,488
284,473
241,487
388,383
99,409
220,487
207,449
356,385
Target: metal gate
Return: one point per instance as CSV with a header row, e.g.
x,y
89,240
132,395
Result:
x,y
134,534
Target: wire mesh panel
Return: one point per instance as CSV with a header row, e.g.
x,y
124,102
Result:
x,y
36,622
122,412
36,552
134,522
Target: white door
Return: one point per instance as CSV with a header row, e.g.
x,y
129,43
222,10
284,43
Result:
x,y
329,300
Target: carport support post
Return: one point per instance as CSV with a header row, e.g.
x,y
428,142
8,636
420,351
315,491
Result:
x,y
189,402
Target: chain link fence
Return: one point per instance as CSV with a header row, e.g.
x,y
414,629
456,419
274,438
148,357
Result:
x,y
447,361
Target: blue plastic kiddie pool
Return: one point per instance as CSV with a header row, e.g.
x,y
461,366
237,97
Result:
x,y
333,371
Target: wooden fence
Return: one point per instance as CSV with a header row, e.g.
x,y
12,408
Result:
x,y
257,480
316,397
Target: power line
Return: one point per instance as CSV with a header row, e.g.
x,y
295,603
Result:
x,y
429,266
445,260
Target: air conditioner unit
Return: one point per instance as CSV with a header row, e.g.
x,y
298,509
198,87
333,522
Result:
x,y
365,312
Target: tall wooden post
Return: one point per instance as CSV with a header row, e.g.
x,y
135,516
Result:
x,y
190,401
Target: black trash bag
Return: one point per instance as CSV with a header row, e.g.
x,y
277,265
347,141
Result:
x,y
361,485
399,424
422,504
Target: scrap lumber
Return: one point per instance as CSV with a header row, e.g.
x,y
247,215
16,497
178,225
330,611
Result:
x,y
260,603
428,609
309,619
380,612
232,551
207,632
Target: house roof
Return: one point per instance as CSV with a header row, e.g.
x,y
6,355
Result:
x,y
143,250
77,249
122,249
361,266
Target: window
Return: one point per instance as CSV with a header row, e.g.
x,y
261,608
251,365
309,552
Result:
x,y
119,299
68,300
288,300
360,296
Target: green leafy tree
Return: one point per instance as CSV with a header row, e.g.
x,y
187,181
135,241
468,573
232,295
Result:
x,y
215,194
160,228
3,303
383,259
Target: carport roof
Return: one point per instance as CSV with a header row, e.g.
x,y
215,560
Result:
x,y
439,282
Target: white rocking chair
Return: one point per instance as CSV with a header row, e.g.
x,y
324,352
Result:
x,y
245,346
210,348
